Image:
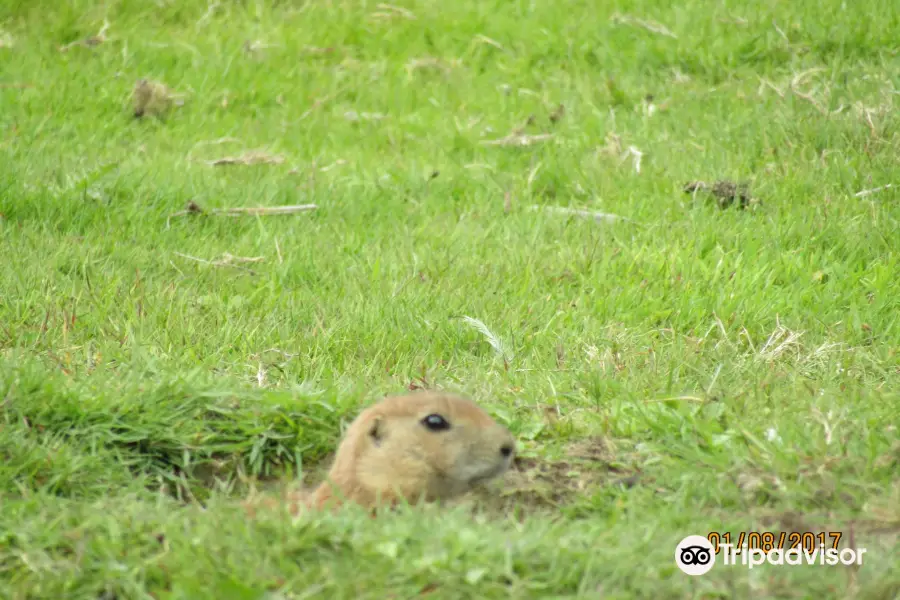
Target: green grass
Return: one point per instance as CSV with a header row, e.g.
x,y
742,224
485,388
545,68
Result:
x,y
738,368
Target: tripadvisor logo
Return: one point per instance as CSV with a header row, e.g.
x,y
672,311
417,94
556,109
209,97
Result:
x,y
695,555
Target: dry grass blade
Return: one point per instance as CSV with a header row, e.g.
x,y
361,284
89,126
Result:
x,y
612,146
256,46
222,140
338,163
260,376
266,210
387,11
352,115
254,157
319,102
828,424
864,193
193,208
226,260
636,156
795,82
495,341
519,140
781,340
89,42
676,398
766,83
317,50
430,63
599,217
645,23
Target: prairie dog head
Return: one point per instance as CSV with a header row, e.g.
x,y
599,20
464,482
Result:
x,y
420,446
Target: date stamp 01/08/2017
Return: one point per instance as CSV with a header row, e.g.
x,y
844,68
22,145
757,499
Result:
x,y
768,541
697,554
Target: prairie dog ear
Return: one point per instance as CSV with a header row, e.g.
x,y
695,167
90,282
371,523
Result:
x,y
376,430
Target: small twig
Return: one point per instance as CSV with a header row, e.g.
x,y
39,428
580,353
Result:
x,y
864,193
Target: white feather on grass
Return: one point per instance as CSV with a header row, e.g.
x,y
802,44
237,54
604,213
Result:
x,y
494,340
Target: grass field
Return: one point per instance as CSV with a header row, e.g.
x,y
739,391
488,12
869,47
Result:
x,y
680,369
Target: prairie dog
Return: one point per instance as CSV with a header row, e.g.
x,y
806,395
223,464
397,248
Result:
x,y
423,446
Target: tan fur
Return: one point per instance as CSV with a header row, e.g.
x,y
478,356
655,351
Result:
x,y
389,455
151,98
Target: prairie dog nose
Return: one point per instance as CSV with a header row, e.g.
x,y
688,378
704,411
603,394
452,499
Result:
x,y
507,449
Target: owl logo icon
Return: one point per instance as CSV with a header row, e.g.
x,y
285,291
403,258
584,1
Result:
x,y
695,555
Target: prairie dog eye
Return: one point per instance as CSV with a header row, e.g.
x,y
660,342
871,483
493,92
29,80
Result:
x,y
436,422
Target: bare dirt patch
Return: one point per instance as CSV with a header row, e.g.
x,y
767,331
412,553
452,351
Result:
x,y
591,463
